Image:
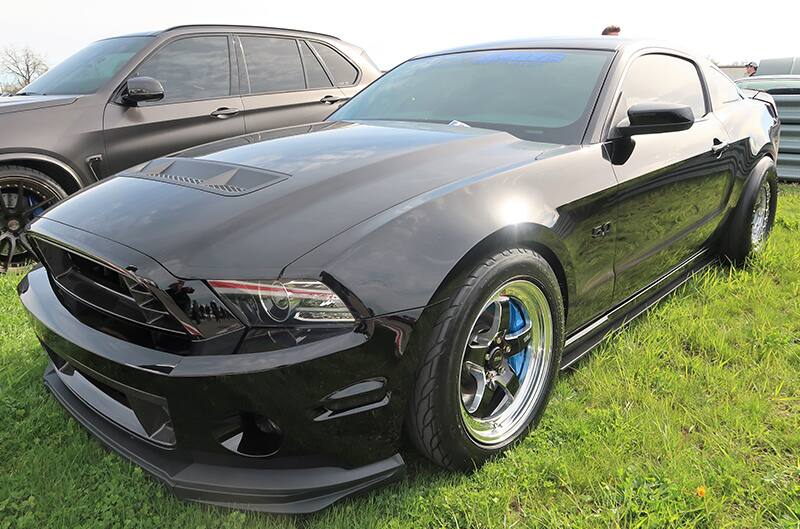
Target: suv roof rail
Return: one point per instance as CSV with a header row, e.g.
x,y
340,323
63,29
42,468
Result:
x,y
182,26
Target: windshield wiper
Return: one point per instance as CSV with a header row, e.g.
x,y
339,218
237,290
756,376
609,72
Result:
x,y
28,94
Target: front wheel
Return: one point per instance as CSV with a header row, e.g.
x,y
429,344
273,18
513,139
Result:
x,y
24,194
489,360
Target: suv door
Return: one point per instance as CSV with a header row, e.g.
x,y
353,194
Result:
x,y
283,83
674,186
200,104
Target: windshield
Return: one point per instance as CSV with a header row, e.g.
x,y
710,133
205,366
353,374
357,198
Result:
x,y
539,95
89,69
771,86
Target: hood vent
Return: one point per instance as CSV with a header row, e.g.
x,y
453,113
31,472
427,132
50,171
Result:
x,y
214,177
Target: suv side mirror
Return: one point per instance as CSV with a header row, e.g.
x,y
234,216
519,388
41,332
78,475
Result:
x,y
654,118
139,89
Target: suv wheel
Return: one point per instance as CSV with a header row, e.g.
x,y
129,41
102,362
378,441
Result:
x,y
24,194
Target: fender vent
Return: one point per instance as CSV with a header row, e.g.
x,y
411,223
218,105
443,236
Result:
x,y
214,177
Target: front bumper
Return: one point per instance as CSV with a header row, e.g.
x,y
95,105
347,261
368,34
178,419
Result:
x,y
163,411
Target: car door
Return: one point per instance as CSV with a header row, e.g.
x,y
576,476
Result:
x,y
283,83
735,112
200,104
673,186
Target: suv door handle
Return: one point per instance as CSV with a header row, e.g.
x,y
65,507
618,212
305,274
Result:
x,y
224,113
331,99
719,146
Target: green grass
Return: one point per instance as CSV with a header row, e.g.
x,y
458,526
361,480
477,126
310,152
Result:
x,y
701,394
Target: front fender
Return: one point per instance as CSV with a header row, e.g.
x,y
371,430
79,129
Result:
x,y
398,259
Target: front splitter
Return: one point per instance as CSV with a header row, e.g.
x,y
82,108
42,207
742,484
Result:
x,y
296,491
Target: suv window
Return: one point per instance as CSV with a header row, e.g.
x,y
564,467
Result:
x,y
315,74
720,87
272,64
192,68
89,69
344,73
661,78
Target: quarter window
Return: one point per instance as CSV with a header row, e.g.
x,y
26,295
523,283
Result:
x,y
272,64
344,73
663,79
720,87
315,74
191,69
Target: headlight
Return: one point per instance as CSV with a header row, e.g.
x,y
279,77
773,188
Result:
x,y
283,303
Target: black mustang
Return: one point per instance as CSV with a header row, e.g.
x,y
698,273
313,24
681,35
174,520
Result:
x,y
258,321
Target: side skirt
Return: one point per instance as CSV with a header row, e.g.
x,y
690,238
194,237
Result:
x,y
583,340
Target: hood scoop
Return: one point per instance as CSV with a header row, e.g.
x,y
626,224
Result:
x,y
214,177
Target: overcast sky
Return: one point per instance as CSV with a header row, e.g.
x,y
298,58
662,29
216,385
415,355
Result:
x,y
394,31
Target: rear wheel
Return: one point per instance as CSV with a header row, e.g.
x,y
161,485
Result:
x,y
490,360
754,217
24,194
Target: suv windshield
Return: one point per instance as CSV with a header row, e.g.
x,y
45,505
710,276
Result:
x,y
89,69
539,95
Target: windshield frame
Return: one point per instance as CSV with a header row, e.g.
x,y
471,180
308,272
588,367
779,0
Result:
x,y
146,43
587,118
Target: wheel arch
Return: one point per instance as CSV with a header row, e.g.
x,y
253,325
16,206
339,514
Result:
x,y
64,175
525,235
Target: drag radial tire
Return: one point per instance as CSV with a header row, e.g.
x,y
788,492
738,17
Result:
x,y
754,216
489,357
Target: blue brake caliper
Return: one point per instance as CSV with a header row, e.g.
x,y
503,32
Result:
x,y
32,201
516,321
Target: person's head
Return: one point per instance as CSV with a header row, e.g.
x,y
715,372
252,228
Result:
x,y
751,68
612,31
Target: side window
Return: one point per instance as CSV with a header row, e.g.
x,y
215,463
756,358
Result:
x,y
191,69
272,64
720,87
315,74
344,73
661,78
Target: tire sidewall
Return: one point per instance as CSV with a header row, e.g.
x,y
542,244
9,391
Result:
x,y
472,300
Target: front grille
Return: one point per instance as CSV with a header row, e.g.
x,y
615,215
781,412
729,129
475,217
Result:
x,y
105,289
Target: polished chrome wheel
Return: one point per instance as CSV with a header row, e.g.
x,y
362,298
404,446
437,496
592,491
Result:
x,y
761,213
504,368
20,201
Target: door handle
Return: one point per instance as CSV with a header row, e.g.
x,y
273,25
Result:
x,y
224,113
719,146
331,99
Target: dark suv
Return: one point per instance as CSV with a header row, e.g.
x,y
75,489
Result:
x,y
125,100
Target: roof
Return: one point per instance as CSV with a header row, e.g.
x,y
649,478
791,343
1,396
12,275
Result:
x,y
607,43
234,27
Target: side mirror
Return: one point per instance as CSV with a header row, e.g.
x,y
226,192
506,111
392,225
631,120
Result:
x,y
654,118
139,89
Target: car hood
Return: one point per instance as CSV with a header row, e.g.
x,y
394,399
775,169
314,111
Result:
x,y
33,102
245,208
